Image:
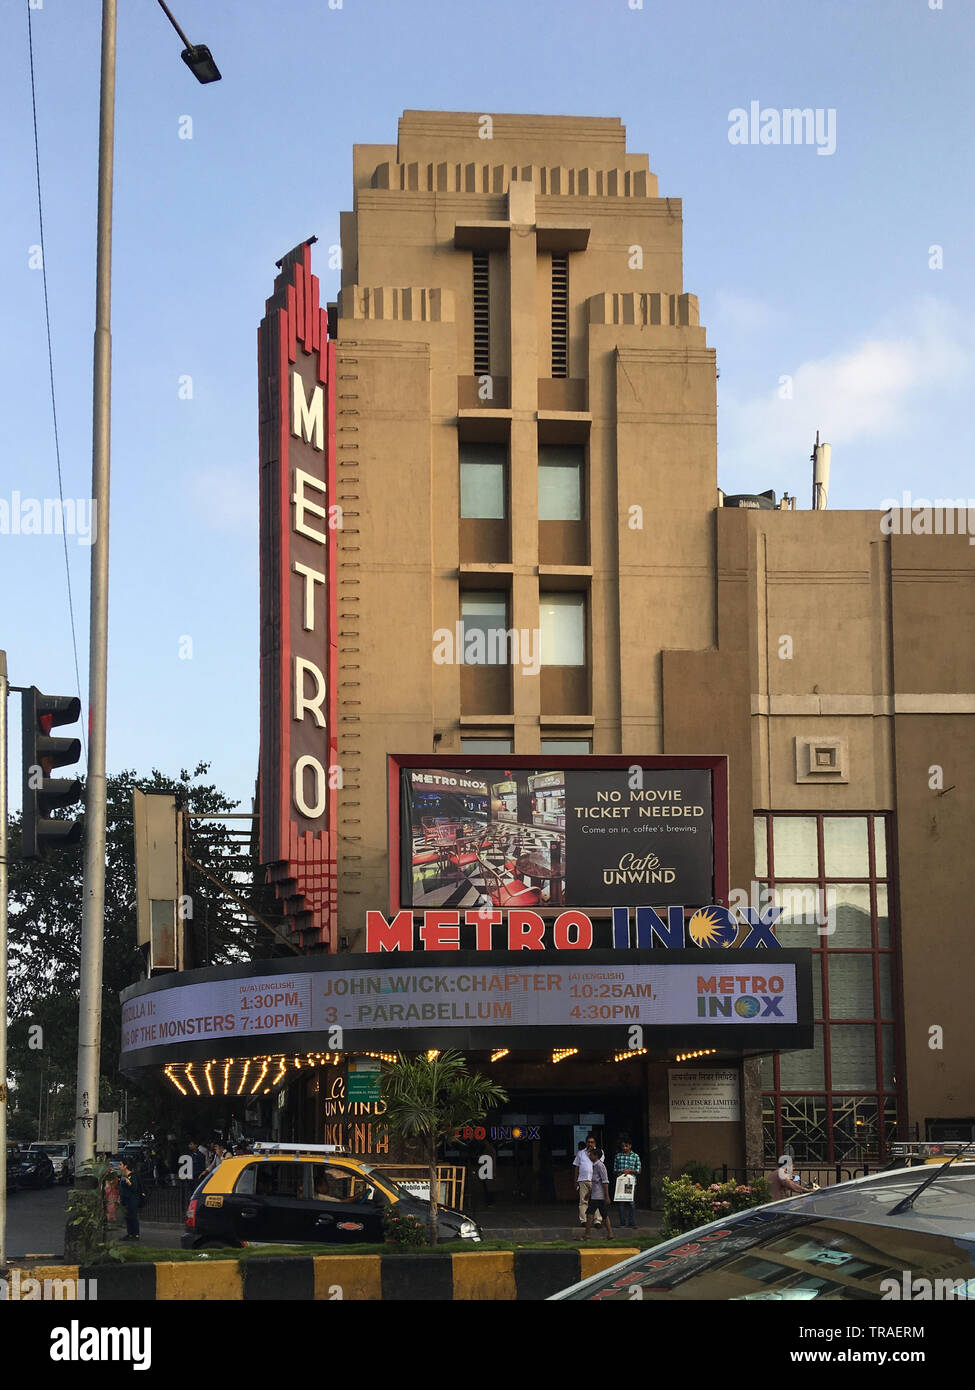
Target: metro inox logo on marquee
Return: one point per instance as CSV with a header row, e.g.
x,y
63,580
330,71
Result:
x,y
522,930
744,996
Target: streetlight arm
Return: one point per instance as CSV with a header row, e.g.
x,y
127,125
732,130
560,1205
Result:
x,y
169,15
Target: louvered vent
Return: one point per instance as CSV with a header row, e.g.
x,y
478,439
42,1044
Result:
x,y
482,315
560,316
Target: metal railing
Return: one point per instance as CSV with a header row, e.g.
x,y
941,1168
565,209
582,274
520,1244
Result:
x,y
167,1204
822,1176
452,1176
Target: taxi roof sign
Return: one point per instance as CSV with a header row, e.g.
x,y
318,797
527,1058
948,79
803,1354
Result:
x,y
267,1148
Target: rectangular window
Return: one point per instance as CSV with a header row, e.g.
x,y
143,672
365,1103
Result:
x,y
794,847
483,490
482,314
562,620
559,482
485,745
560,316
484,615
812,865
567,745
845,847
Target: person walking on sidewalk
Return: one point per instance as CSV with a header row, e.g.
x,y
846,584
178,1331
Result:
x,y
582,1163
599,1196
626,1167
130,1195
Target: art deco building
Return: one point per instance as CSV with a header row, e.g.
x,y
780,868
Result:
x,y
514,405
526,440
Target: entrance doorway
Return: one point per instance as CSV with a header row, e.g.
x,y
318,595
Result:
x,y
533,1140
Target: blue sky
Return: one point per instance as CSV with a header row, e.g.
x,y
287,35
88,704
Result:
x,y
808,266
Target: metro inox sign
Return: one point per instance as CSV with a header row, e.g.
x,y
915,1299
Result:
x,y
641,928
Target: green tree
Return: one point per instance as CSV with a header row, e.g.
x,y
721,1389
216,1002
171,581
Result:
x,y
428,1099
45,942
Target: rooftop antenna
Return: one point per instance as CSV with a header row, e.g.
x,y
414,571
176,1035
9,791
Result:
x,y
820,462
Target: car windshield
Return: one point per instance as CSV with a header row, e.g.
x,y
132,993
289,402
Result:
x,y
776,1255
390,1184
52,1150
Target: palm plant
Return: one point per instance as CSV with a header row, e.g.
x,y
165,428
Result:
x,y
428,1098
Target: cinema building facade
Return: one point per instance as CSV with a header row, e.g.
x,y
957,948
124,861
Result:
x,y
657,807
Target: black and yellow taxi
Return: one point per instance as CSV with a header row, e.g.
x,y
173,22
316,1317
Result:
x,y
916,1153
298,1194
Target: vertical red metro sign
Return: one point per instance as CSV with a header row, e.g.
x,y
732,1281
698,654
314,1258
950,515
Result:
x,y
298,765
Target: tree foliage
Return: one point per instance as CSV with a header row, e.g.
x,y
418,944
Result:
x,y
428,1098
45,939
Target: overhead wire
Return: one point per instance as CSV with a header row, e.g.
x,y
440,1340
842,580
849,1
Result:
x,y
50,361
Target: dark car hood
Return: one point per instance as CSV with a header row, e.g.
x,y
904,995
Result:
x,y
417,1206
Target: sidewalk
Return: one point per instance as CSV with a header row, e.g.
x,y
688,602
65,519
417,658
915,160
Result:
x,y
559,1222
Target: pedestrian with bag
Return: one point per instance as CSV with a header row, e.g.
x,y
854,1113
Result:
x,y
626,1168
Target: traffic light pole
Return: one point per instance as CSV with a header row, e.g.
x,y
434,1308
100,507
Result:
x,y
93,894
3,961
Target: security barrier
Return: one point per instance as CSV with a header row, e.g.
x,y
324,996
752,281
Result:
x,y
486,1275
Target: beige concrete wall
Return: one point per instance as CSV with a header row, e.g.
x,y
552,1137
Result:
x,y
647,378
883,655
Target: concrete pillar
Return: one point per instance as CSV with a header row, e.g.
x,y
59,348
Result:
x,y
658,1155
751,1111
524,448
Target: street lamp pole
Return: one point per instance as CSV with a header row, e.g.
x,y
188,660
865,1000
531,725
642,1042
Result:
x,y
93,892
200,62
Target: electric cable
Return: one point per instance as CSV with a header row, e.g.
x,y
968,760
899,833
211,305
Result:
x,y
50,361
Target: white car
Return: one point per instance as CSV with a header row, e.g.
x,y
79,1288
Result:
x,y
904,1234
61,1154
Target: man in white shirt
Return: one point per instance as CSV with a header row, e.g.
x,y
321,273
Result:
x,y
582,1163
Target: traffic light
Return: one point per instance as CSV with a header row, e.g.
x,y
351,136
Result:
x,y
42,792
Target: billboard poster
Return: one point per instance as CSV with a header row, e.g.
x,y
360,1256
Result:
x,y
547,837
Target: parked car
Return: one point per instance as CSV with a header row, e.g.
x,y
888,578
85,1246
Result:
x,y
889,1235
919,1153
292,1194
61,1154
15,1158
135,1156
36,1170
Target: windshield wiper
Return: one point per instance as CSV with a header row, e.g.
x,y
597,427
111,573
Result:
x,y
908,1202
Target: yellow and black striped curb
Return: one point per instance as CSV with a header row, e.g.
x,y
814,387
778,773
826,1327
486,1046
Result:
x,y
475,1274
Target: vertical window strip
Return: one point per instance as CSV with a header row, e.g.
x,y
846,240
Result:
x,y
482,314
840,1046
560,316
